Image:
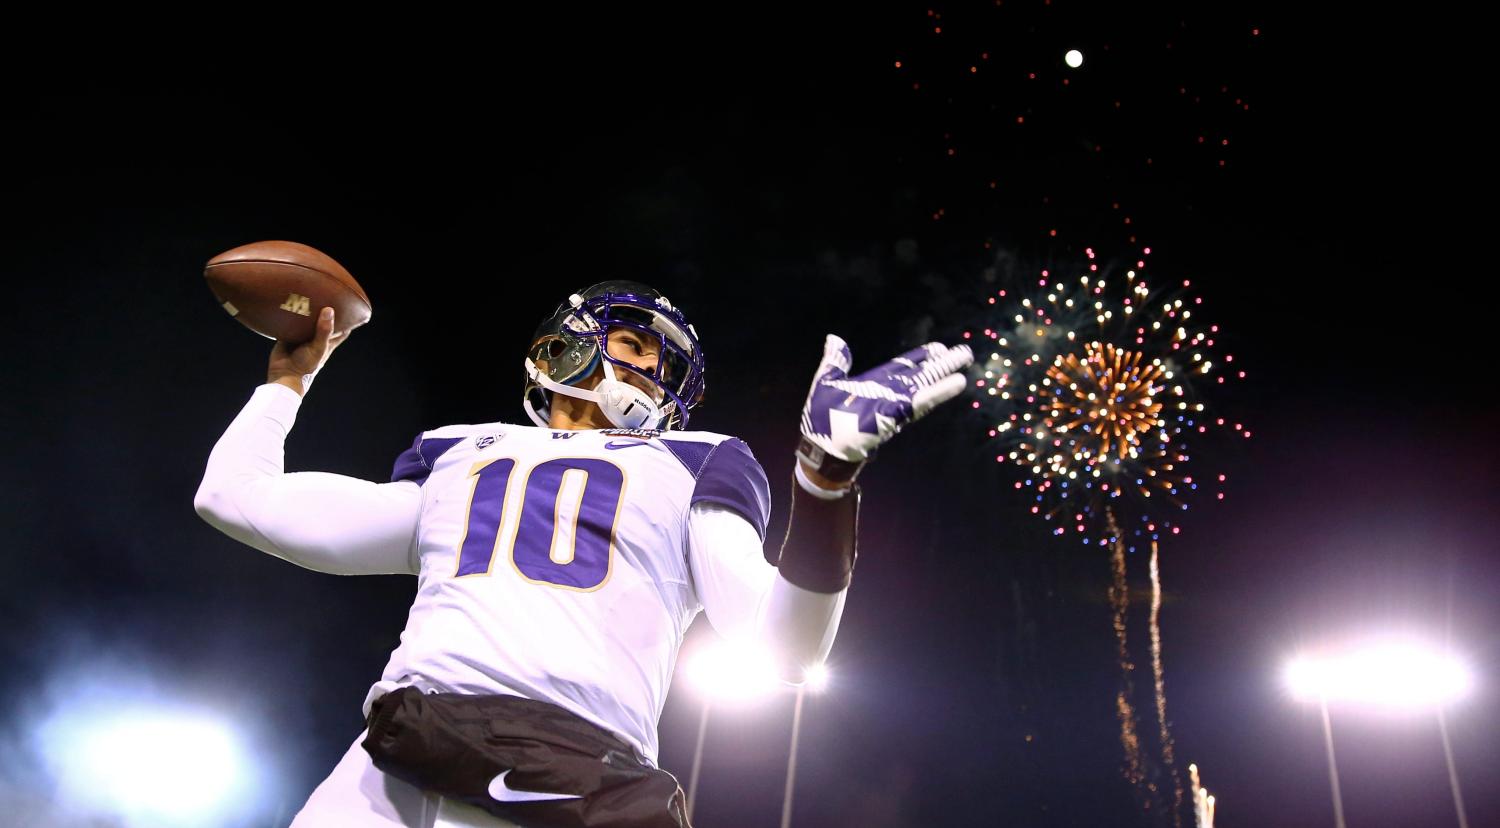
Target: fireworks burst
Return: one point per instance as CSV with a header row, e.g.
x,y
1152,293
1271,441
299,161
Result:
x,y
1093,382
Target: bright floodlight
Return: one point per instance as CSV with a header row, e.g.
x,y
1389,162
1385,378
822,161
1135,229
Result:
x,y
1392,674
1073,58
817,677
151,767
733,672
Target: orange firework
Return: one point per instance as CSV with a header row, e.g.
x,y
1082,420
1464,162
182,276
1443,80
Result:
x,y
1095,382
1107,389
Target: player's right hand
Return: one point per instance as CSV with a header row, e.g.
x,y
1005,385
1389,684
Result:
x,y
295,365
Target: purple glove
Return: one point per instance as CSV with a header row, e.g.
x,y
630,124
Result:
x,y
846,418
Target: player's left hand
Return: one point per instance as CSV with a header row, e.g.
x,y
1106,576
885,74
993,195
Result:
x,y
847,418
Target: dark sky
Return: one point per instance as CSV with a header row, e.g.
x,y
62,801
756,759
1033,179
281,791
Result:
x,y
778,177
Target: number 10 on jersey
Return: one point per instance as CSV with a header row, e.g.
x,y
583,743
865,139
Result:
x,y
564,534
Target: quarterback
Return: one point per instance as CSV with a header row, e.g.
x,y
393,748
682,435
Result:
x,y
559,564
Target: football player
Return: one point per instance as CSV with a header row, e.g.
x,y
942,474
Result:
x,y
559,565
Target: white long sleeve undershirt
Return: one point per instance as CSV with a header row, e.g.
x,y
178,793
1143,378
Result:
x,y
347,526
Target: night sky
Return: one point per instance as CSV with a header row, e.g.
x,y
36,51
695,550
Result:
x,y
1320,182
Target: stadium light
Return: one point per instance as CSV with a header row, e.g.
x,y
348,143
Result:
x,y
1398,674
1390,674
815,679
148,766
739,673
726,672
733,672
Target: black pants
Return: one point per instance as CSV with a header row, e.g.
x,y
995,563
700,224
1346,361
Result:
x,y
455,745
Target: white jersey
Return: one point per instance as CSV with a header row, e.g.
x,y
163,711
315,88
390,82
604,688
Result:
x,y
553,564
562,566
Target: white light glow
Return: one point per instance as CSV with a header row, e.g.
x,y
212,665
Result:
x,y
1392,673
149,766
817,678
733,672
1073,58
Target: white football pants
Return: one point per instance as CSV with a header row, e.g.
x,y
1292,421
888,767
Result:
x,y
359,795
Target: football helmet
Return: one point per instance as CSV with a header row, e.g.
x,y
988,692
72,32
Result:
x,y
571,343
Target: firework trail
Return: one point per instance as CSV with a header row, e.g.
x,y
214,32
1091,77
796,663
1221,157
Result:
x,y
1203,802
1134,768
1119,602
1165,734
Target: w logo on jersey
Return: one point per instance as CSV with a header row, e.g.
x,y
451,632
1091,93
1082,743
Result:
x,y
298,304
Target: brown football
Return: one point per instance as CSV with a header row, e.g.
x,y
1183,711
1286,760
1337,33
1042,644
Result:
x,y
276,288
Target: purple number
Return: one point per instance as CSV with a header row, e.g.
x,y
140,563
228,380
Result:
x,y
577,520
586,517
486,506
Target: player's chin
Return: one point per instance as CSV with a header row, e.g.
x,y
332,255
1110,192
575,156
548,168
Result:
x,y
649,388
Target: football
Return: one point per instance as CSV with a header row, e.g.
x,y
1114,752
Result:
x,y
277,288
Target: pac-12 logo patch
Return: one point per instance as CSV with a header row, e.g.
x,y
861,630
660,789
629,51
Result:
x,y
637,433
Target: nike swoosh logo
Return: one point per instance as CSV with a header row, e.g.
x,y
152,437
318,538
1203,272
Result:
x,y
505,793
626,444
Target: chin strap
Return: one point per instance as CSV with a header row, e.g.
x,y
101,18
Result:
x,y
623,404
